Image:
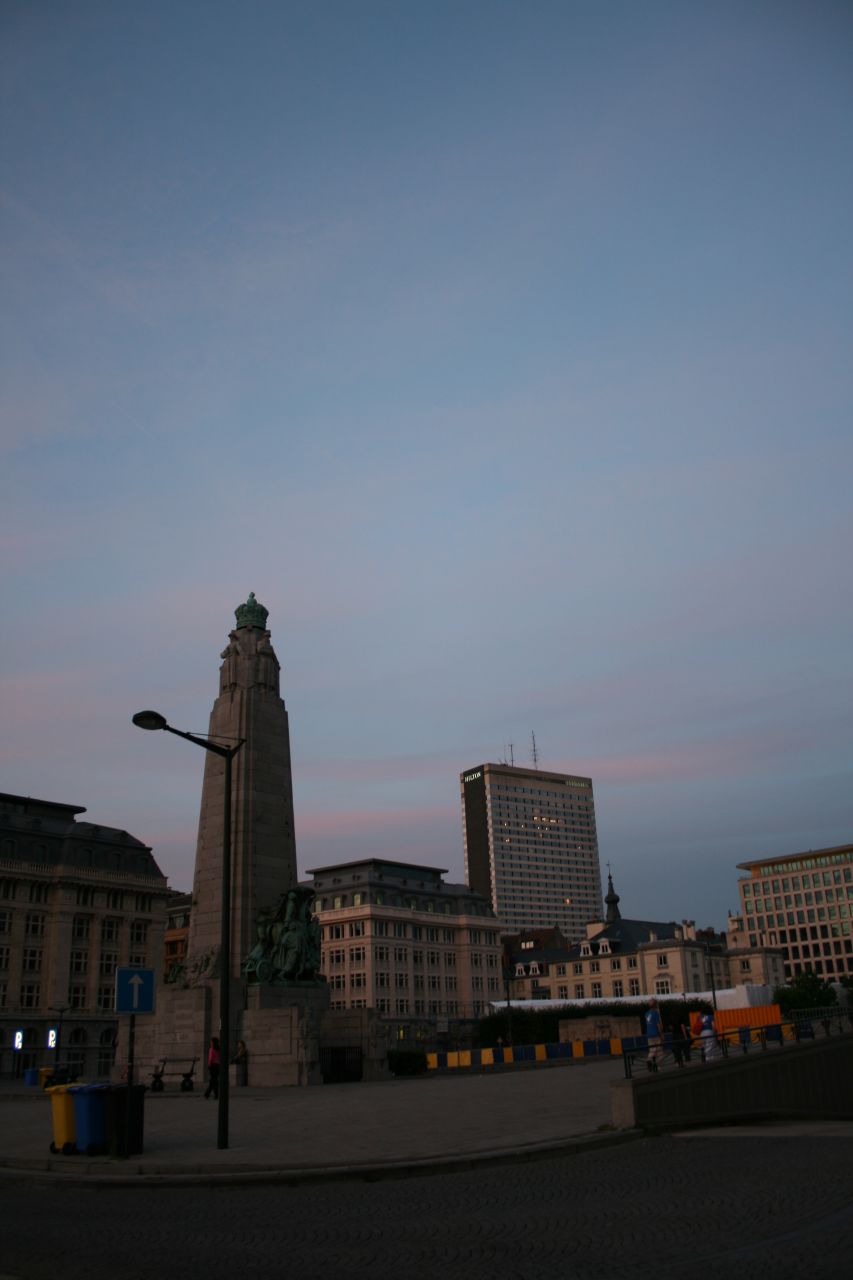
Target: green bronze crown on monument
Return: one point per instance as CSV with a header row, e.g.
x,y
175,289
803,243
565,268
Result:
x,y
251,614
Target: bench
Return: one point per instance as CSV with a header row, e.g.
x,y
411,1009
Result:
x,y
173,1067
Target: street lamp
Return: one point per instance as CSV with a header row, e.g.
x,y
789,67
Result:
x,y
153,720
56,1009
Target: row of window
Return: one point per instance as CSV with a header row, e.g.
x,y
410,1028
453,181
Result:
x,y
85,895
35,923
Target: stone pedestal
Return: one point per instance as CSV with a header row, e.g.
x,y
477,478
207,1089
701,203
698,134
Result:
x,y
281,1028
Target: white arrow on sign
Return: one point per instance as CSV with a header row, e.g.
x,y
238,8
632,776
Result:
x,y
136,982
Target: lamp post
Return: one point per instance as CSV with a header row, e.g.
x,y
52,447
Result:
x,y
61,1011
153,720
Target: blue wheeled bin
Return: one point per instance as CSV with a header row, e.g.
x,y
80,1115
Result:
x,y
90,1118
125,1119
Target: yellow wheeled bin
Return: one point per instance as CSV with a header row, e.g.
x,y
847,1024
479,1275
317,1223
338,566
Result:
x,y
62,1113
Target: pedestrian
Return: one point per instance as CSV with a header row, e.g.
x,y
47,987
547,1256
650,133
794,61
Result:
x,y
708,1038
214,1061
686,1039
241,1062
654,1033
677,1044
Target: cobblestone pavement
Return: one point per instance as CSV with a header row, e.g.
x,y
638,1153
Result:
x,y
664,1207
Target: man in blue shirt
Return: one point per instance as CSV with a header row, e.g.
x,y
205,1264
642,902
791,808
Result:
x,y
654,1033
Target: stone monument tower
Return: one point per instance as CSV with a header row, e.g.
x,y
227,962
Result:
x,y
285,1017
263,849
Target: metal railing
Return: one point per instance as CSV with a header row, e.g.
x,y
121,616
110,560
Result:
x,y
680,1052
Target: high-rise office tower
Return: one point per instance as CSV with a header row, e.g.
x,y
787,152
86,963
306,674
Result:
x,y
531,847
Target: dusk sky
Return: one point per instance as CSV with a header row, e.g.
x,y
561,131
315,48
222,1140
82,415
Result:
x,y
502,349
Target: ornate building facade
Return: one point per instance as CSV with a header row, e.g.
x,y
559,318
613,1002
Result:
x,y
77,900
397,939
621,958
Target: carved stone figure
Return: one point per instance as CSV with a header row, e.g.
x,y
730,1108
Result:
x,y
288,945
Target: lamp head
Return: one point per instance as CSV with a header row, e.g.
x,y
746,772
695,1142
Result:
x,y
149,720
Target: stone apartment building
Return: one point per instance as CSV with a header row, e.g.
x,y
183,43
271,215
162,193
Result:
x,y
624,958
398,939
77,900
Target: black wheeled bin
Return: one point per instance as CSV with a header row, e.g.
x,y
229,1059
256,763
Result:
x,y
91,1117
125,1121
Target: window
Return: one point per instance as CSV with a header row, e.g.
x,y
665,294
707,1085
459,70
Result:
x,y
79,962
663,987
336,930
144,902
357,899
77,996
105,998
357,980
115,900
35,924
82,928
5,921
417,933
38,892
138,933
380,928
383,979
633,986
632,963
662,961
109,960
85,895
617,987
432,934
136,960
615,963
30,993
380,954
577,968
561,970
401,980
596,991
7,889
4,957
32,959
579,991
109,929
356,955
433,958
356,929
399,930
595,966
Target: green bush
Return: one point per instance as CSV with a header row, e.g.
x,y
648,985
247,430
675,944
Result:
x,y
407,1062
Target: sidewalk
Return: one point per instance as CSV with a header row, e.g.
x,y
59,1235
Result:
x,y
352,1130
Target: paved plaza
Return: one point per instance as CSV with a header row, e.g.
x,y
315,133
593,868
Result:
x,y
345,1127
513,1173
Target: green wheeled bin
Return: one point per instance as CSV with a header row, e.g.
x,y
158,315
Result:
x,y
125,1119
62,1114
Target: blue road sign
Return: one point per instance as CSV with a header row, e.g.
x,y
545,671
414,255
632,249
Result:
x,y
134,990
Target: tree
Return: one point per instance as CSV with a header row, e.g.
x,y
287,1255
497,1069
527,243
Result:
x,y
805,991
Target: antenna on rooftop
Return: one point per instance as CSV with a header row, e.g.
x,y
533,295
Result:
x,y
535,752
511,756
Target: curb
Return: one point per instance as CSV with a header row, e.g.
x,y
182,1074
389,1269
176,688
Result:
x,y
51,1174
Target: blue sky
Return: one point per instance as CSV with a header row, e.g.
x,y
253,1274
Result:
x,y
502,349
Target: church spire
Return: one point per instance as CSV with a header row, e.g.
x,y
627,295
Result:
x,y
612,900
